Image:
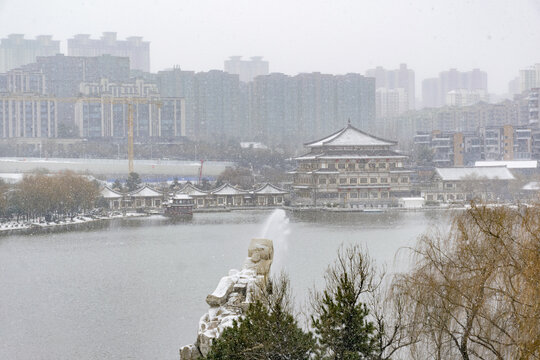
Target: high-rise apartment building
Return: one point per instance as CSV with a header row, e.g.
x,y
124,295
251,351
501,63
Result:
x,y
247,70
462,97
212,101
102,111
28,116
514,87
527,79
402,78
61,76
391,102
308,105
16,51
435,90
431,93
137,50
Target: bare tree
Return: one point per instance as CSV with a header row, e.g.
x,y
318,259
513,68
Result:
x,y
474,290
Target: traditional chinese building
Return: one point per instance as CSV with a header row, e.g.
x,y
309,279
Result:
x,y
145,197
114,198
464,184
350,167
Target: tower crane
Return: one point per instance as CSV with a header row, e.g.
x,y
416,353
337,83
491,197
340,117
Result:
x,y
130,102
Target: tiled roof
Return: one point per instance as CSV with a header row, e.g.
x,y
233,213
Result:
x,y
109,193
227,189
490,173
145,191
270,189
355,155
191,190
350,136
514,164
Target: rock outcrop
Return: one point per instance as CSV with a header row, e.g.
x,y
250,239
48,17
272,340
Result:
x,y
231,297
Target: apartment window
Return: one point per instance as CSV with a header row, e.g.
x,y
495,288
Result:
x,y
342,181
354,195
350,166
404,180
372,165
392,165
384,180
331,166
384,195
382,166
341,166
372,180
322,181
332,181
394,180
220,201
353,181
363,180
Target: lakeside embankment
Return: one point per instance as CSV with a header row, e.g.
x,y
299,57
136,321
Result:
x,y
68,224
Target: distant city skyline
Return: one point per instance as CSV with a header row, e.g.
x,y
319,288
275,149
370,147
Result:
x,y
338,37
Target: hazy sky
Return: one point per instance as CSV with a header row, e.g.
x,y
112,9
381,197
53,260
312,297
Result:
x,y
498,36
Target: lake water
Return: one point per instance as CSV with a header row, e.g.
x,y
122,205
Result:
x,y
136,288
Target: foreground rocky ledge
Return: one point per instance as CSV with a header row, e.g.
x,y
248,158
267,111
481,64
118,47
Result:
x,y
232,297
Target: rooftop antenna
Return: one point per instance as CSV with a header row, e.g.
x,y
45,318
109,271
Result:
x,y
349,122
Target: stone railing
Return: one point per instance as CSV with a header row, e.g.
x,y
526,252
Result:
x,y
232,297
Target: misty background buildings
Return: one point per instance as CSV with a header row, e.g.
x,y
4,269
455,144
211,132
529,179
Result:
x,y
44,94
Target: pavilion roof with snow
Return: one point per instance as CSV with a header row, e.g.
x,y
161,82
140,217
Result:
x,y
350,136
192,190
145,191
269,189
350,143
476,173
109,193
227,189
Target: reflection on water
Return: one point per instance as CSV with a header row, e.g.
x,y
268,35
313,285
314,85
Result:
x,y
135,288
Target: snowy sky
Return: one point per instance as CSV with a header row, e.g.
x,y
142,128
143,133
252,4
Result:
x,y
335,36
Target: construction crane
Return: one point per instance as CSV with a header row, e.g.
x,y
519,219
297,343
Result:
x,y
200,172
130,102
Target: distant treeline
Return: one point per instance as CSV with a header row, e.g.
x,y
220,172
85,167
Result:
x,y
48,196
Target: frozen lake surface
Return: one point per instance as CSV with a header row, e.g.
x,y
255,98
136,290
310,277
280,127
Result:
x,y
136,288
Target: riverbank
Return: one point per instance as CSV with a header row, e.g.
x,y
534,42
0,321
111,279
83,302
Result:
x,y
67,224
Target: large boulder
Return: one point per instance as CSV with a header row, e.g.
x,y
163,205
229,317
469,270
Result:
x,y
219,296
232,297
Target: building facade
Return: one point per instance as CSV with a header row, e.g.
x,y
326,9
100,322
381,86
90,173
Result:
x,y
16,51
390,102
435,90
465,184
247,70
350,167
103,111
28,116
137,50
402,78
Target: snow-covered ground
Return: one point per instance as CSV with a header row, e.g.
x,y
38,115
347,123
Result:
x,y
21,225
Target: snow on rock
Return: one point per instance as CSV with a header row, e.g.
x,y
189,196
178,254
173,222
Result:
x,y
231,298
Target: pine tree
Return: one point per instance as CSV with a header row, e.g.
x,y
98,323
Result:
x,y
267,331
340,318
133,181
